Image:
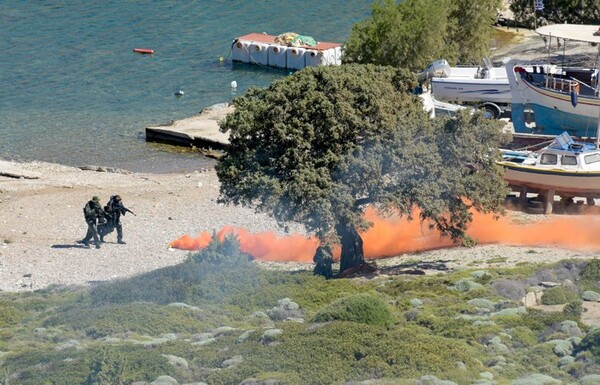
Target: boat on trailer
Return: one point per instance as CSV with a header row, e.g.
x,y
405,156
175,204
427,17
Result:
x,y
485,87
468,84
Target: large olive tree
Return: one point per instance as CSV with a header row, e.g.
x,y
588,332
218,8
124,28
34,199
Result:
x,y
413,33
321,145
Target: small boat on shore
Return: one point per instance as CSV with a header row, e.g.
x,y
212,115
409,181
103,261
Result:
x,y
567,99
565,168
145,51
481,87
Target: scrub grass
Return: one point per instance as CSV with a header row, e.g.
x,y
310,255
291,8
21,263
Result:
x,y
206,320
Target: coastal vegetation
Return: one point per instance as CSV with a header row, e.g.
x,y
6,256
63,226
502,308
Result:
x,y
218,318
557,11
319,146
413,33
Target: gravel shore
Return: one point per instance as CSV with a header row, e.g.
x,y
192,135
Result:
x,y
41,219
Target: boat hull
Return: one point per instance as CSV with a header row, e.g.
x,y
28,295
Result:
x,y
471,90
554,110
574,183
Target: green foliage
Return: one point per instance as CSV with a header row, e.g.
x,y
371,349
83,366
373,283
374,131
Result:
x,y
591,271
401,35
374,341
573,310
363,308
558,11
142,318
124,365
337,352
9,315
104,365
533,319
222,252
306,147
590,343
554,296
311,292
413,33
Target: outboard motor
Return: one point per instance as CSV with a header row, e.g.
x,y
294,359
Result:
x,y
437,69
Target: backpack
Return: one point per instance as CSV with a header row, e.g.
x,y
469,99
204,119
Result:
x,y
88,213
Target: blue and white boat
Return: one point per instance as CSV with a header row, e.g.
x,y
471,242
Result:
x,y
551,102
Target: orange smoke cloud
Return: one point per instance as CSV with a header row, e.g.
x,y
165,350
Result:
x,y
395,235
265,246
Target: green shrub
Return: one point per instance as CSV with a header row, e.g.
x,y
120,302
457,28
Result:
x,y
362,308
590,343
225,252
142,318
591,271
573,310
554,296
9,315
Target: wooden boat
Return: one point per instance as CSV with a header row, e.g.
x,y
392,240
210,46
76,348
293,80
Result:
x,y
565,168
145,51
564,100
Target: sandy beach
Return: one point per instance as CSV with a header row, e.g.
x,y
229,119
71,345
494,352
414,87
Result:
x,y
41,219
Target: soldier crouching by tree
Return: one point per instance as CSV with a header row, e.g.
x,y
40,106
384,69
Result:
x,y
323,259
94,215
114,209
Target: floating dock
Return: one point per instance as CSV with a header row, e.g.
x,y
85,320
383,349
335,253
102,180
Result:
x,y
200,131
262,49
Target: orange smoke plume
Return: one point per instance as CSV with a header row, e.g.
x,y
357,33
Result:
x,y
266,246
395,235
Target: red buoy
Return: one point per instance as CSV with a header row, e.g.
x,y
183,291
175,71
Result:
x,y
143,50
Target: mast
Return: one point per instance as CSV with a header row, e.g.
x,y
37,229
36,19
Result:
x,y
598,93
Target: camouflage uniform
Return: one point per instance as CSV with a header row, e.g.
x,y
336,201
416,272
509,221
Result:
x,y
93,214
323,259
114,209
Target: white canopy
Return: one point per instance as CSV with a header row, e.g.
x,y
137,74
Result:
x,y
578,32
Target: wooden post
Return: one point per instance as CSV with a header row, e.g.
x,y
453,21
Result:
x,y
523,198
549,200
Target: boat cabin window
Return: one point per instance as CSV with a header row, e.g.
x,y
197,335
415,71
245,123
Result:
x,y
592,158
568,160
549,159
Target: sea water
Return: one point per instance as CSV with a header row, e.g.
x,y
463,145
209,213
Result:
x,y
72,91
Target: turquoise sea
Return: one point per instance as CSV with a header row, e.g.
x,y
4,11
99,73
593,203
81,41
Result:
x,y
72,91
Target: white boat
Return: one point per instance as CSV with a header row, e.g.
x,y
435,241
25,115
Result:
x,y
564,100
468,84
484,87
565,168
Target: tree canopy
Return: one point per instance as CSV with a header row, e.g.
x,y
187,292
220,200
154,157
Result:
x,y
413,33
319,146
558,11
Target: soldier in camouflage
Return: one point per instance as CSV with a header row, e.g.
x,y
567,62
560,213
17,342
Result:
x,y
94,216
323,259
114,209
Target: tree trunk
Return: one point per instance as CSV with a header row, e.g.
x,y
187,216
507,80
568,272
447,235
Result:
x,y
352,247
